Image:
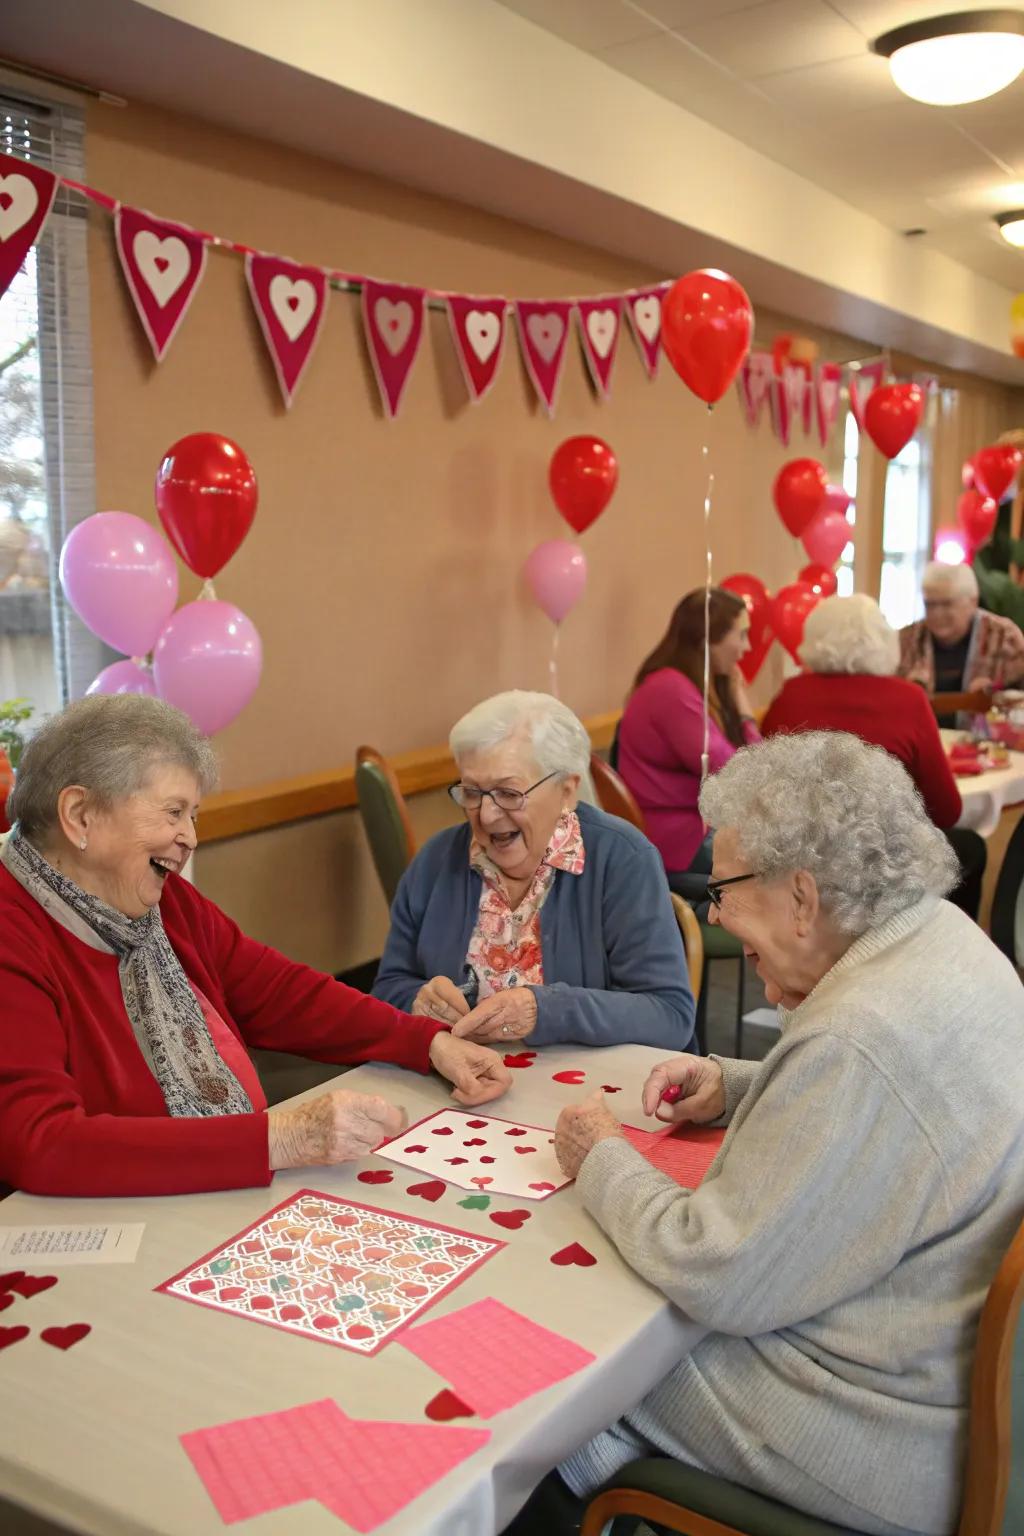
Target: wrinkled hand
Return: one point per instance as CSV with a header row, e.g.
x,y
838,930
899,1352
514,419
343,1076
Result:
x,y
508,1015
703,1092
580,1127
478,1074
337,1127
441,999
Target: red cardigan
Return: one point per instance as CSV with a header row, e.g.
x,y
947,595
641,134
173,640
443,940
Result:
x,y
80,1111
884,711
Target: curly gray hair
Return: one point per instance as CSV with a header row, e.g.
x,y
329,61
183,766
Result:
x,y
559,740
108,743
850,634
846,812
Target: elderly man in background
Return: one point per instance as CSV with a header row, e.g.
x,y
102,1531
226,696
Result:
x,y
956,648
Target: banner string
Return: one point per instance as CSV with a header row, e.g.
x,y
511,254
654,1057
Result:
x,y
705,756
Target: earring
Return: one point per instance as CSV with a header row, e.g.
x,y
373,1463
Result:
x,y
82,845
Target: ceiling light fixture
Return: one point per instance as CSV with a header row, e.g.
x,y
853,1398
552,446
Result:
x,y
1011,227
948,60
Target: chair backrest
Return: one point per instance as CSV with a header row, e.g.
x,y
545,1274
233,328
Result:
x,y
994,1485
956,703
693,941
1006,903
613,793
385,817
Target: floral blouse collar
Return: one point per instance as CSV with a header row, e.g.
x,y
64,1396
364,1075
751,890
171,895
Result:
x,y
564,851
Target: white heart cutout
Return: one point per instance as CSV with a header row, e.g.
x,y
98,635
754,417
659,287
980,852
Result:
x,y
18,202
647,313
545,332
483,332
293,303
394,322
163,264
601,330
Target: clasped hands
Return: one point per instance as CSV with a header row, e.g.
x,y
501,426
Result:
x,y
507,1015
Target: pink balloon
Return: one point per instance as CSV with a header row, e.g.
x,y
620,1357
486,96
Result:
x,y
836,500
557,574
967,474
124,677
826,537
207,662
119,575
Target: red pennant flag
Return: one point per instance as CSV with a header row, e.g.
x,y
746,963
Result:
x,y
543,333
827,378
162,265
478,331
861,382
644,309
754,382
393,320
26,197
600,325
290,302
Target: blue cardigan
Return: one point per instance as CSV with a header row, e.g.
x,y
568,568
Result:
x,y
614,964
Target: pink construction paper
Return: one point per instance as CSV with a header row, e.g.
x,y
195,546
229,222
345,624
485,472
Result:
x,y
376,1469
249,1466
685,1155
493,1357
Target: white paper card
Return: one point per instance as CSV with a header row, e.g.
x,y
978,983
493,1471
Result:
x,y
492,1157
116,1243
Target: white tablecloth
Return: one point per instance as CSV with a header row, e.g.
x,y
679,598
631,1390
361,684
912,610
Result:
x,y
90,1438
986,795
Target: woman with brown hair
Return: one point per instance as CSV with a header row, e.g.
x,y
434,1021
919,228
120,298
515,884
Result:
x,y
661,736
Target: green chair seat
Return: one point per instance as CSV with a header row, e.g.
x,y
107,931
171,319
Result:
x,y
716,1499
718,944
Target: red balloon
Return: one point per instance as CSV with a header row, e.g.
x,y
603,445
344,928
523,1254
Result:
x,y
706,325
206,497
892,415
977,515
755,594
995,469
820,579
583,475
799,493
967,475
790,607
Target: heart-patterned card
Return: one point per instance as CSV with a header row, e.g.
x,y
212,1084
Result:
x,y
333,1270
478,1152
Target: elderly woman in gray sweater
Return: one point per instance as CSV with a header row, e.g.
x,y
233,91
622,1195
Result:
x,y
872,1176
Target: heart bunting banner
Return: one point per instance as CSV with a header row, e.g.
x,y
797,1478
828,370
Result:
x,y
543,333
754,382
26,197
162,264
644,310
290,303
393,319
862,380
600,325
827,381
478,331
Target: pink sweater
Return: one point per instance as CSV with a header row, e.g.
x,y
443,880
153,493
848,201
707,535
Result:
x,y
661,738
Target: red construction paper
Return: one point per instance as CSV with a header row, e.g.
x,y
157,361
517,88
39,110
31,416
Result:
x,y
64,1338
685,1155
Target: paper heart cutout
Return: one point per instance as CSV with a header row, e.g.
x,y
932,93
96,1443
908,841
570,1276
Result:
x,y
414,1149
345,1219
476,1125
575,1076
475,1202
487,1159
520,1059
437,1267
18,202
481,1182
251,1247
231,1293
6,1300
281,1255
647,314
545,332
483,332
31,1285
262,1303
442,1130
198,1286
515,1130
375,1176
574,1254
544,1185
601,328
7,1281
291,1314
475,1141
446,1406
521,1150
512,1220
394,323
163,264
610,1088
10,1336
64,1338
409,1288
293,303
431,1190
323,1322
359,1331
455,1161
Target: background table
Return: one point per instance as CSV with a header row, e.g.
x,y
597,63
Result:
x,y
987,795
90,1438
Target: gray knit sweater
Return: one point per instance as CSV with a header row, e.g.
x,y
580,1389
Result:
x,y
840,1248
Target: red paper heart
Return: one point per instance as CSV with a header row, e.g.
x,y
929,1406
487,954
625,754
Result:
x,y
375,1176
512,1220
475,1141
574,1254
262,1303
359,1331
291,1314
63,1338
524,1149
455,1161
517,1130
415,1149
610,1088
231,1293
522,1059
31,1285
5,1302
12,1335
574,1077
543,1185
481,1181
251,1247
432,1190
324,1322
442,1130
476,1125
344,1220
447,1406
487,1159
7,1281
196,1286
161,263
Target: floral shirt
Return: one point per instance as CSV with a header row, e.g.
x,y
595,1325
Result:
x,y
505,946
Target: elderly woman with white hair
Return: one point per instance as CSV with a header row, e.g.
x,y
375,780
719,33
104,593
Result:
x,y
838,1251
956,648
541,919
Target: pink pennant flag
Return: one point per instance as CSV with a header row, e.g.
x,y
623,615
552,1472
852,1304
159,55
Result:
x,y
754,382
26,197
478,331
600,325
827,377
791,402
393,319
290,303
643,306
543,333
861,382
162,265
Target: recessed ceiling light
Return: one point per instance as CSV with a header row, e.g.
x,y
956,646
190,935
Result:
x,y
1011,227
948,60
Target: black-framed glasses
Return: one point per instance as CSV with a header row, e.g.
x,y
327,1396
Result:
x,y
470,797
716,887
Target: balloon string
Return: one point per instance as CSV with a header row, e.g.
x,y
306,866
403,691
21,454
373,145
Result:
x,y
553,664
706,753
207,594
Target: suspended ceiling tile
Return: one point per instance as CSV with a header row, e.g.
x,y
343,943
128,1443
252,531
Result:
x,y
589,24
666,64
873,17
686,13
844,85
781,34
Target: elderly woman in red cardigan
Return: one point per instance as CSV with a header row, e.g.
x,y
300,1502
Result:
x,y
127,1000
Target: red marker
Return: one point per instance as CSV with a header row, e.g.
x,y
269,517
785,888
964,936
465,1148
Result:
x,y
671,1095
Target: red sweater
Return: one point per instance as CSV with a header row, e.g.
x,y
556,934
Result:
x,y
884,711
80,1111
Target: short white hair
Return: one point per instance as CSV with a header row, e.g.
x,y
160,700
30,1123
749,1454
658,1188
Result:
x,y
850,634
826,802
559,741
957,580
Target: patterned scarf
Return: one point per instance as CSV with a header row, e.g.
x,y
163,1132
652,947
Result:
x,y
161,1006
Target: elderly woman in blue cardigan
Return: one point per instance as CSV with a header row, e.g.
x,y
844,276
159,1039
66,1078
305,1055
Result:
x,y
541,919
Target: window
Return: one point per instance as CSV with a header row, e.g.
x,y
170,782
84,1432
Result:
x,y
46,469
905,532
851,447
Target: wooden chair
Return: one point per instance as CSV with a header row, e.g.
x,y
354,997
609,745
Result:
x,y
671,1496
693,941
385,817
1008,895
955,703
613,793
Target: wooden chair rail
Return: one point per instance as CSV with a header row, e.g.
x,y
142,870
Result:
x,y
952,703
237,812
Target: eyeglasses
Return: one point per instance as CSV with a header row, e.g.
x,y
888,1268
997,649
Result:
x,y
470,797
716,887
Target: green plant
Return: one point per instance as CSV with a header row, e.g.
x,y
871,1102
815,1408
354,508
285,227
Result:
x,y
13,714
998,590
